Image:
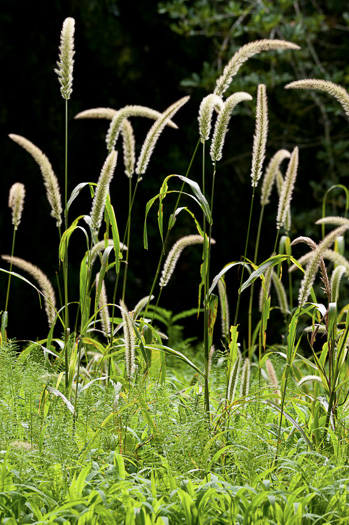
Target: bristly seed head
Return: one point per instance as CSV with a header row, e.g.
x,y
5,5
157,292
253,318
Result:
x,y
66,61
43,281
102,189
287,189
16,202
260,136
50,179
175,253
222,123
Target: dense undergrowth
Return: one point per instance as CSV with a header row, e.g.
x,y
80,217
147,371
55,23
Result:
x,y
114,418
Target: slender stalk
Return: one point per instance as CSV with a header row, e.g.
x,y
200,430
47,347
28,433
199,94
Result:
x,y
206,310
157,273
4,319
126,235
65,261
127,232
245,254
9,277
276,240
252,285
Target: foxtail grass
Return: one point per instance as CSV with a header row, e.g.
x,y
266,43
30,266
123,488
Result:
x,y
258,155
242,55
50,180
16,203
42,280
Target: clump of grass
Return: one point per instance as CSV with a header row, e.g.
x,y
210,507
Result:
x,y
102,414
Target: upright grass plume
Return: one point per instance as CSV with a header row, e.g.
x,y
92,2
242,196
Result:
x,y
102,189
244,53
50,179
154,134
103,308
222,123
208,105
223,301
129,148
233,379
280,184
245,378
336,91
174,254
287,189
260,136
281,293
129,339
315,260
336,277
66,61
273,379
42,280
16,202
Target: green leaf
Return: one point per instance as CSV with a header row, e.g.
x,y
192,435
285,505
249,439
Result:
x,y
76,192
272,261
57,393
63,245
225,269
290,419
199,195
175,353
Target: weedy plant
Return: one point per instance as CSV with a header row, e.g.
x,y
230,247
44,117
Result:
x,y
112,415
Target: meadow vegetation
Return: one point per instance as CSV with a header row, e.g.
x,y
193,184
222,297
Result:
x,y
114,417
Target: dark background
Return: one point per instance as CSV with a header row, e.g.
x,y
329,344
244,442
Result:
x,y
152,54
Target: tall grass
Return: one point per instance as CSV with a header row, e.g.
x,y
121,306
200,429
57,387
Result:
x,y
113,416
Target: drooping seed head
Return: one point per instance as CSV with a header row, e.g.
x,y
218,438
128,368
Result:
x,y
336,91
174,255
50,179
314,263
270,174
244,53
154,134
42,280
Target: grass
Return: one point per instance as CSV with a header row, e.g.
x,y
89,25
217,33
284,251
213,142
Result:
x,y
114,418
